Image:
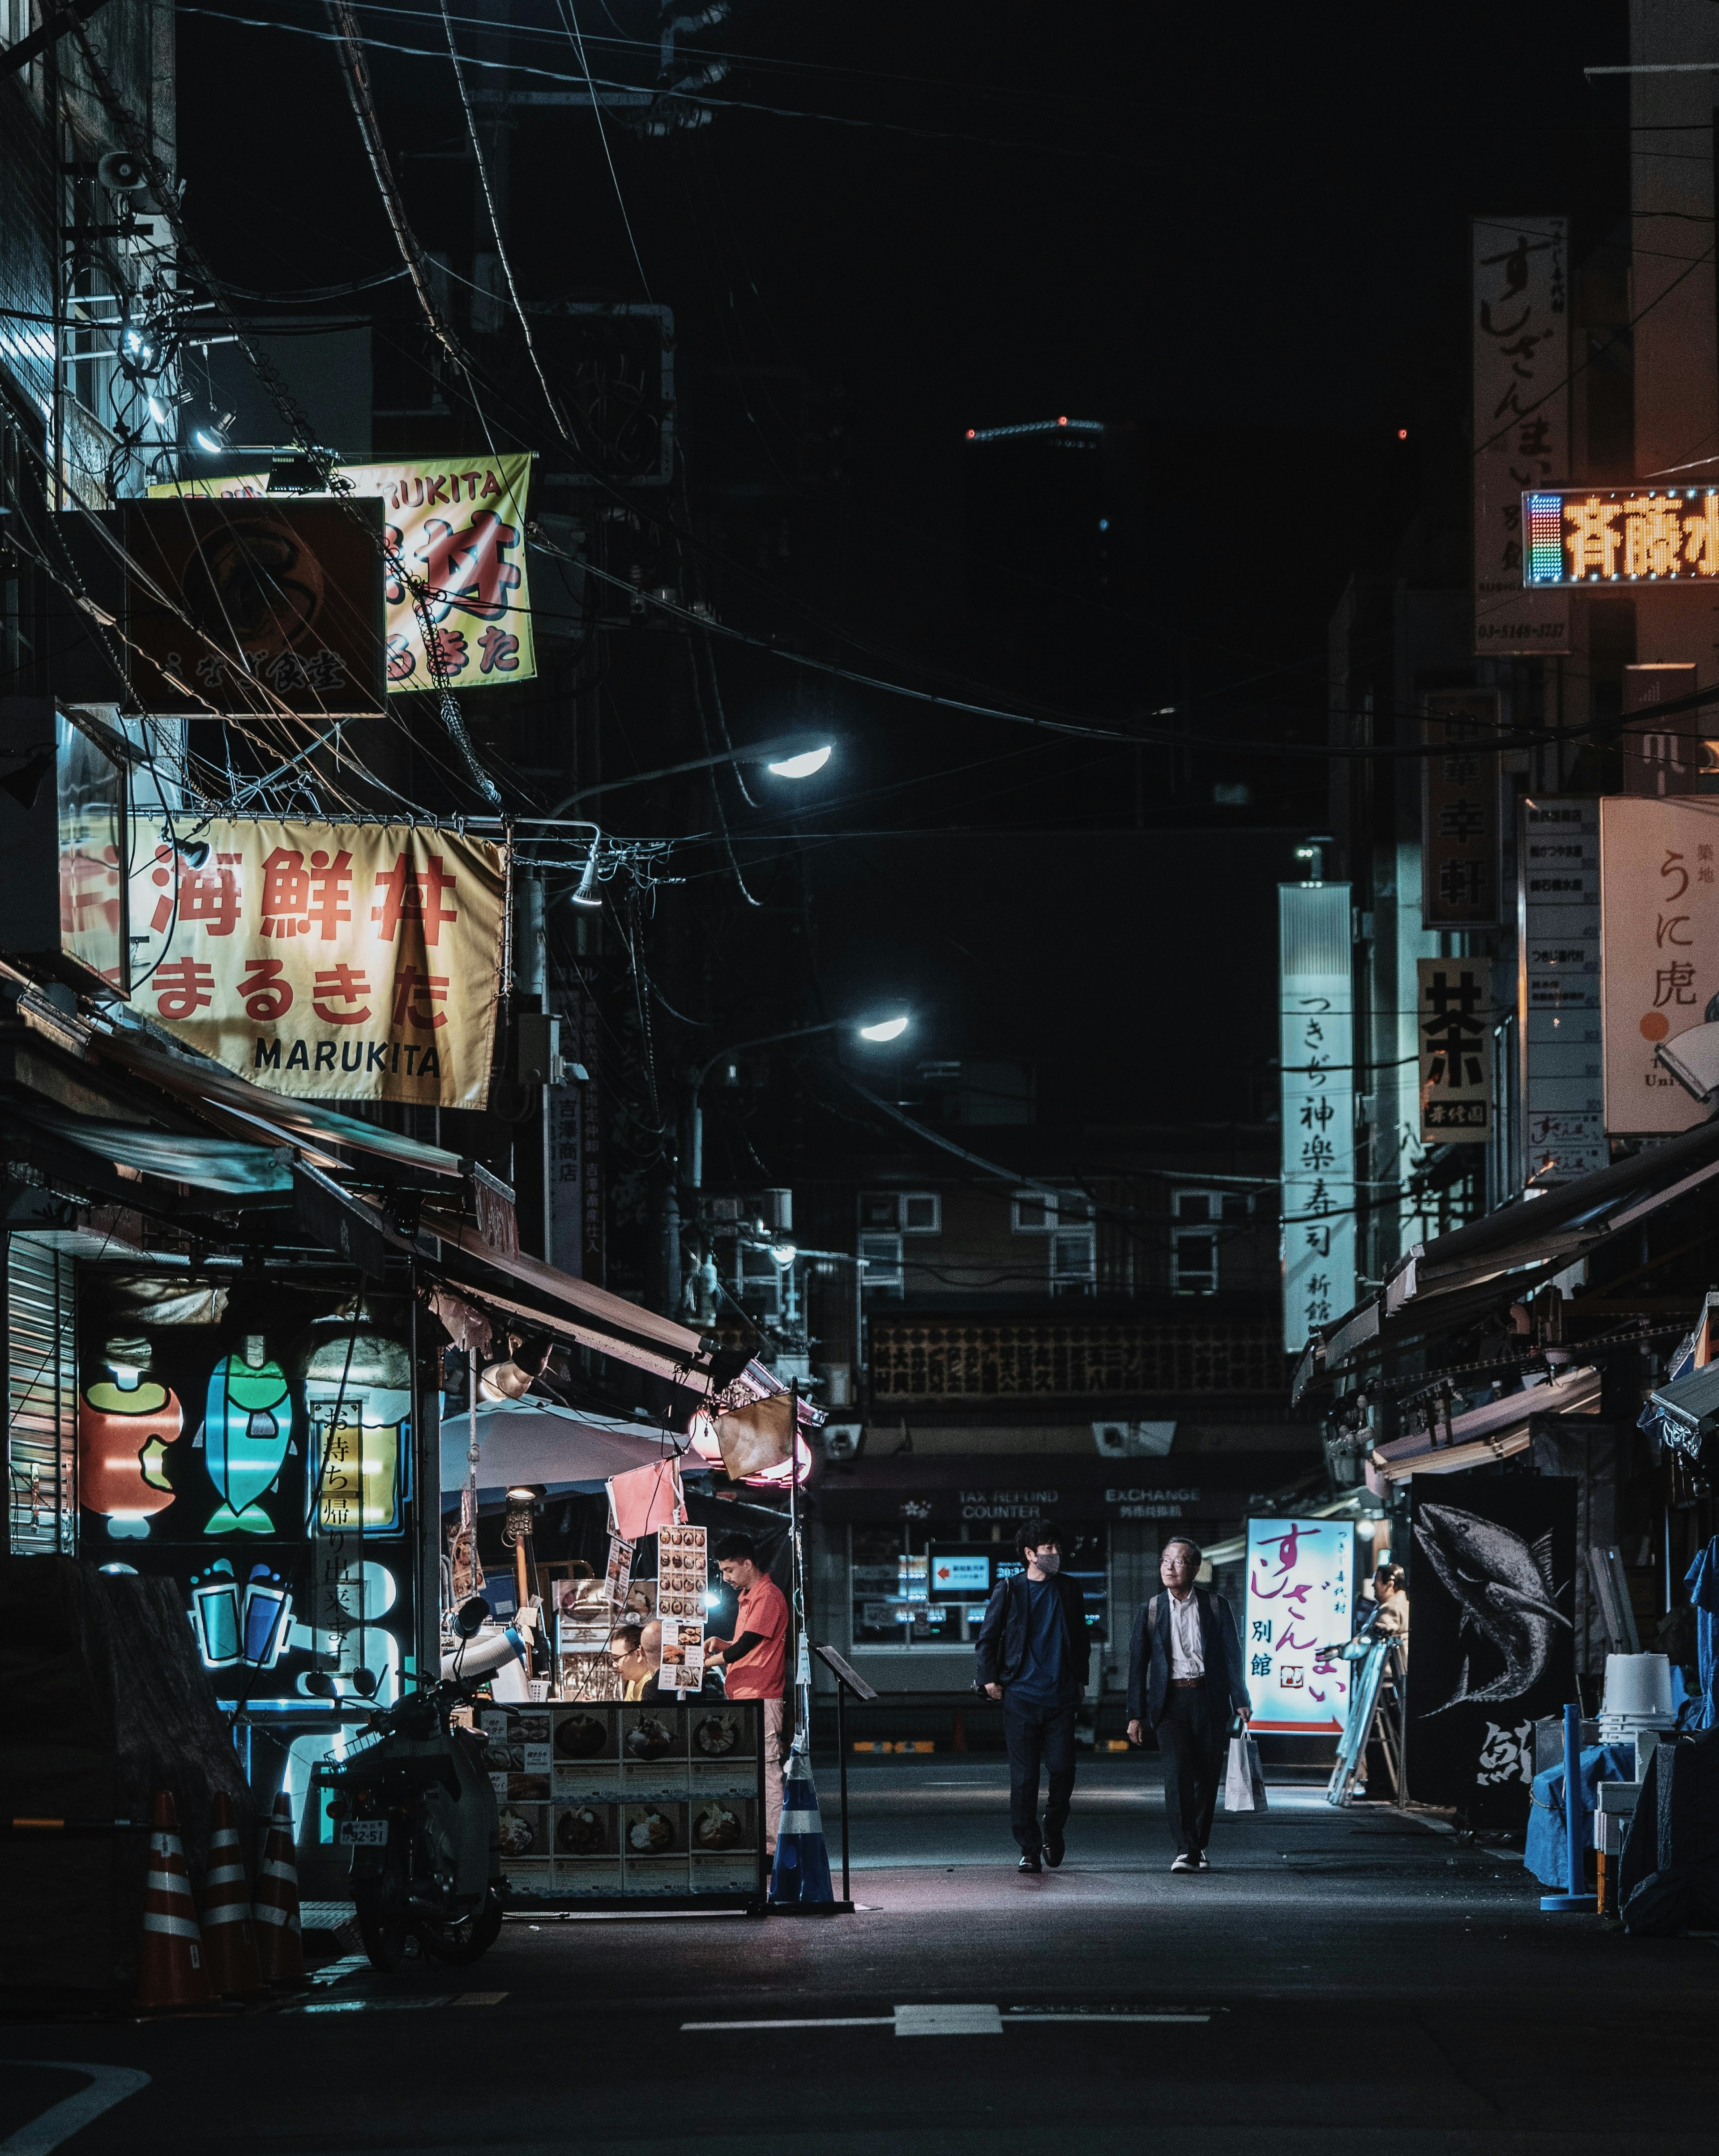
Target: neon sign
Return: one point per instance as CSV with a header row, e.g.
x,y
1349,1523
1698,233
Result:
x,y
1621,535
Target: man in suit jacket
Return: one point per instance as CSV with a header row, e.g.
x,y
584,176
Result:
x,y
1185,1681
1033,1654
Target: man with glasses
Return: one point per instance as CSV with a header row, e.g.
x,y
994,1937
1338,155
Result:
x,y
1185,1683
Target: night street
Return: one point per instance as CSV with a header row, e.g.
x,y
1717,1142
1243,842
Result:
x,y
1334,1977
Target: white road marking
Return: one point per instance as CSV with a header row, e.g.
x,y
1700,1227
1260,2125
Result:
x,y
1018,2014
365,2006
108,2085
948,2021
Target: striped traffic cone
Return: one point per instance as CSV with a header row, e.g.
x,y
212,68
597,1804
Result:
x,y
802,1872
228,1936
171,1970
281,1946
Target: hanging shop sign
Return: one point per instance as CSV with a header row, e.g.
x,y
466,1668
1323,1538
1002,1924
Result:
x,y
326,961
1299,1601
1317,1057
1661,755
1460,821
1493,1573
1660,952
455,529
248,606
1521,421
1456,1018
1563,1097
1578,536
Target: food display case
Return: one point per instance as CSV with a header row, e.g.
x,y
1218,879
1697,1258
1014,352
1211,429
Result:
x,y
614,1803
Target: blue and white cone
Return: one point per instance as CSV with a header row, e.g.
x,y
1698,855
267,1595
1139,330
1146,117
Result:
x,y
802,1872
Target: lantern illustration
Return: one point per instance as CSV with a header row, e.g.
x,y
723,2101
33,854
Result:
x,y
125,1423
358,1401
246,1435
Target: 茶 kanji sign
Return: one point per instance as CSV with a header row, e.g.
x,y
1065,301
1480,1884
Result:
x,y
460,535
339,961
1456,1025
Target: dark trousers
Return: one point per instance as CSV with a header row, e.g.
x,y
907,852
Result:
x,y
1035,1734
1191,1740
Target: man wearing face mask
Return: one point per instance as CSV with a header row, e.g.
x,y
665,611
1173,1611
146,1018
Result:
x,y
1033,1654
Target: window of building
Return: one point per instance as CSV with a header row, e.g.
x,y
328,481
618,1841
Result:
x,y
921,1213
1193,1245
882,1271
756,1281
880,1209
1074,1261
1041,1213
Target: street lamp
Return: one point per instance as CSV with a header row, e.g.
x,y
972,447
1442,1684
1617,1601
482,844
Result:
x,y
888,1028
792,759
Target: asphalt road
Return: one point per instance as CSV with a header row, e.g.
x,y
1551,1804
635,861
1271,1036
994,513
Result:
x,y
1339,1981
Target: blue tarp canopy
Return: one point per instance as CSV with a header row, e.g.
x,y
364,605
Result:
x,y
559,1450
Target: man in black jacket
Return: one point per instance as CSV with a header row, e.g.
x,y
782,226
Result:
x,y
1033,1654
1185,1681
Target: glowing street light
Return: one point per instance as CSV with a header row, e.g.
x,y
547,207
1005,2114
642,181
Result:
x,y
802,765
888,1029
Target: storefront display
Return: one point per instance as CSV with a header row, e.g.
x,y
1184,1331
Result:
x,y
611,1803
683,1574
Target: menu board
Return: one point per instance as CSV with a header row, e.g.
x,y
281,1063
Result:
x,y
628,1802
683,1578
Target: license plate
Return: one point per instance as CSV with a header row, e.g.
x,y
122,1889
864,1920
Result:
x,y
361,1834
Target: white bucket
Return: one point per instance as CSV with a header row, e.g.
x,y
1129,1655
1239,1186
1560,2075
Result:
x,y
1637,1685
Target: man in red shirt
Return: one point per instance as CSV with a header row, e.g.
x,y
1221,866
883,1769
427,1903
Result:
x,y
755,1661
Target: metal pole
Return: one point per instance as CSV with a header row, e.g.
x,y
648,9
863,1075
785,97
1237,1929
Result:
x,y
841,1740
1575,1902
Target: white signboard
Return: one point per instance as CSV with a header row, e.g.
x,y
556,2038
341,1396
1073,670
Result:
x,y
1564,1119
1300,1601
1317,1053
1659,891
1521,418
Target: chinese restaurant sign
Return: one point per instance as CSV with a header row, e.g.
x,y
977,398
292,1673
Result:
x,y
1456,1022
1658,921
1459,810
1317,1057
462,534
1522,365
341,961
1619,535
1301,1579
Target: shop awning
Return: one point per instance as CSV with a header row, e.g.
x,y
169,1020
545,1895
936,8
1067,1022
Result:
x,y
1689,1406
271,1116
535,1442
1495,1430
1444,1285
205,1163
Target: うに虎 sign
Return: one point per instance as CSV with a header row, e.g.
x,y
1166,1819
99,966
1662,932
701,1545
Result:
x,y
341,961
453,534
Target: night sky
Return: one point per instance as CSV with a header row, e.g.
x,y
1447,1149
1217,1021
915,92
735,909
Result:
x,y
1239,238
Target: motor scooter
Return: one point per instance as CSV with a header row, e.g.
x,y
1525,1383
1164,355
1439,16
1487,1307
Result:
x,y
415,1805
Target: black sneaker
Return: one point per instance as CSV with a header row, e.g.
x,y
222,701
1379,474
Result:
x,y
1053,1854
1185,1861
1201,1861
1030,1863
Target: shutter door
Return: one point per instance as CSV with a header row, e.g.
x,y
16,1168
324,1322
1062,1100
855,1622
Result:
x,y
41,1399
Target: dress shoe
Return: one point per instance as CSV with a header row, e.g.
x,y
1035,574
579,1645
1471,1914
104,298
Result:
x,y
1030,1864
1053,1854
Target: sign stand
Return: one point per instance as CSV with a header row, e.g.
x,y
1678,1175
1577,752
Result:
x,y
848,1680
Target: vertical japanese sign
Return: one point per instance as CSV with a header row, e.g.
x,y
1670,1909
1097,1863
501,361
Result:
x,y
1316,1055
1459,810
1456,1019
1522,365
1562,1092
1300,1601
461,533
339,962
1658,921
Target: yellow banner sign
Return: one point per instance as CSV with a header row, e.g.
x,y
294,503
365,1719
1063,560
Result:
x,y
460,533
334,962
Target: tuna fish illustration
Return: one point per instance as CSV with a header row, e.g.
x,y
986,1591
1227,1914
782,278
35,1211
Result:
x,y
247,1434
1504,1589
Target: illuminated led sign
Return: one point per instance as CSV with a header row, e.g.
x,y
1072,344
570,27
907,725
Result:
x,y
1621,535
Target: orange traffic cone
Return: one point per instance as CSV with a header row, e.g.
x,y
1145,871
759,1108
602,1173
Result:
x,y
228,1936
281,1946
172,1971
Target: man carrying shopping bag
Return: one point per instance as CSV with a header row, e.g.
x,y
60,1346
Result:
x,y
1185,1683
